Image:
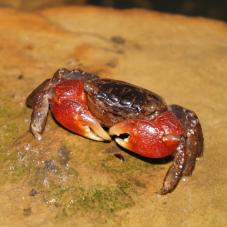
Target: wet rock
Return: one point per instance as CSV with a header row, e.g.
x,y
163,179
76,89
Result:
x,y
112,64
177,56
27,211
113,148
50,166
33,192
118,39
63,155
20,77
139,183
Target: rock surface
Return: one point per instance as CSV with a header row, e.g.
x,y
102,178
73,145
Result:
x,y
181,58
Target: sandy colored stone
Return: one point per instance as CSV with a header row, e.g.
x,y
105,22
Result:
x,y
183,59
37,4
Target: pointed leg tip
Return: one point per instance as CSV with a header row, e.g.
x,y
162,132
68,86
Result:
x,y
164,191
37,136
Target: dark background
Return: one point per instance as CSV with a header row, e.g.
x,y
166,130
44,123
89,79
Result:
x,y
207,8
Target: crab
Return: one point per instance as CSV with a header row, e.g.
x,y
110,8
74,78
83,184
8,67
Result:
x,y
138,120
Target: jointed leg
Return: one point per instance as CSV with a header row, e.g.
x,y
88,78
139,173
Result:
x,y
193,135
39,117
175,171
65,74
38,100
189,149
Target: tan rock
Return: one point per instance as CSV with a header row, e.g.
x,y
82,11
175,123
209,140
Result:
x,y
181,58
37,4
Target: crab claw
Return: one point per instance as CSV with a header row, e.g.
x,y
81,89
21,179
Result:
x,y
69,107
150,138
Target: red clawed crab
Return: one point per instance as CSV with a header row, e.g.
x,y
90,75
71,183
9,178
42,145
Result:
x,y
86,104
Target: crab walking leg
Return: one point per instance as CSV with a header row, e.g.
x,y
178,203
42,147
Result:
x,y
193,135
38,100
175,171
192,152
39,117
190,148
35,98
65,74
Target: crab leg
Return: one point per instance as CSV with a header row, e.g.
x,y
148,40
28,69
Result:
x,y
38,100
39,117
193,135
189,149
65,74
175,171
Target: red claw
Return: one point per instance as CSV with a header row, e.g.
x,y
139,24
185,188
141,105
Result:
x,y
150,138
69,107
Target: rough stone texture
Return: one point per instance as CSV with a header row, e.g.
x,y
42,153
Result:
x,y
181,58
37,4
